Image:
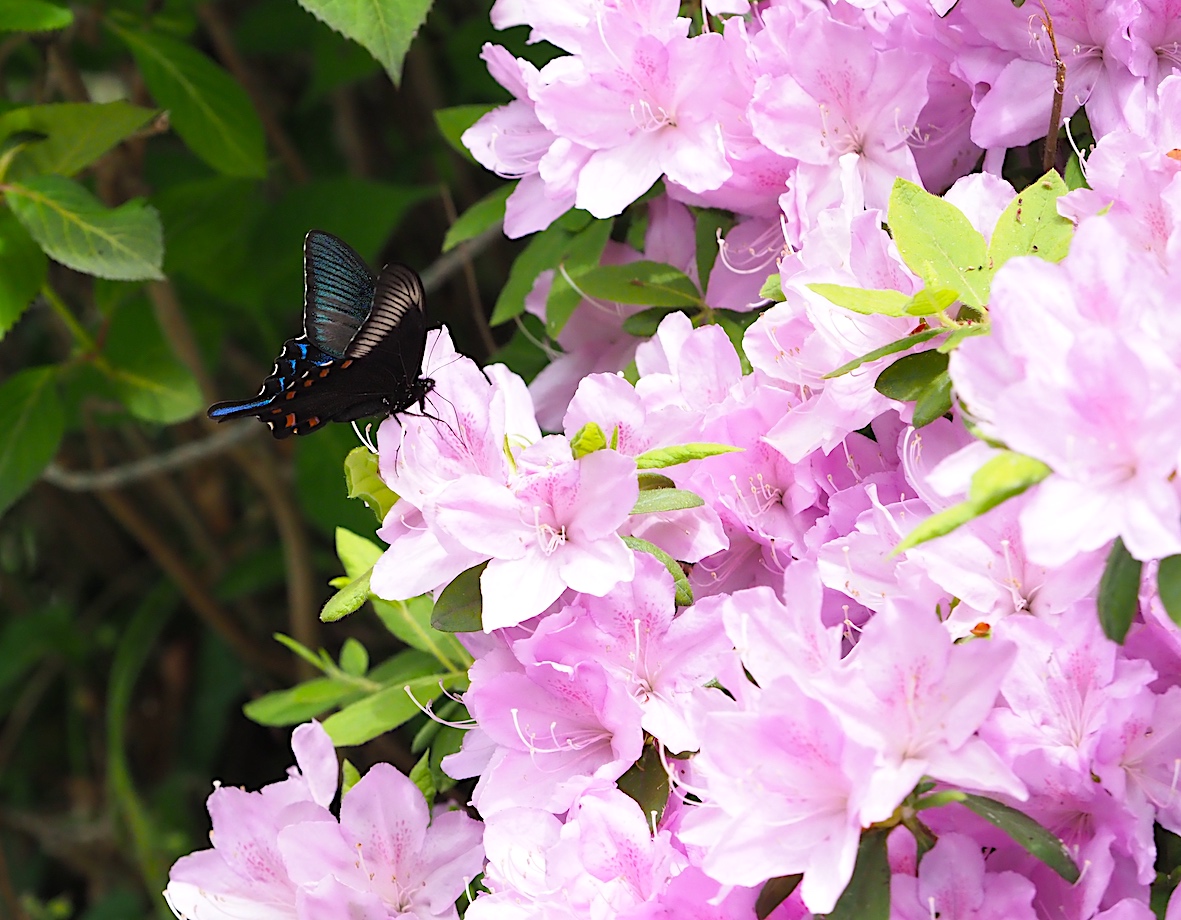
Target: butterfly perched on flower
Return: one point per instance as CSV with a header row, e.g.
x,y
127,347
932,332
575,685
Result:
x,y
360,353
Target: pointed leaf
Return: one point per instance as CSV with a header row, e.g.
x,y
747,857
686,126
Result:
x,y
485,213
939,243
654,481
661,457
908,377
32,16
354,658
1031,224
76,134
385,28
893,348
543,252
646,783
588,439
1119,592
772,289
867,896
651,500
383,711
349,599
1168,585
653,284
300,703
933,401
410,621
356,553
460,607
684,591
124,243
22,270
363,481
208,108
1028,833
864,301
32,420
774,892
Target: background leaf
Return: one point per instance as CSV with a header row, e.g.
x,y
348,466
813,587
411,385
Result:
x,y
32,16
384,27
124,243
77,134
22,270
32,421
206,106
1119,592
460,607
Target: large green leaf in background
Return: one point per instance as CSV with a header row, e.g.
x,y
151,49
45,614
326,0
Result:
x,y
22,270
77,134
32,16
148,378
209,109
32,420
384,27
72,226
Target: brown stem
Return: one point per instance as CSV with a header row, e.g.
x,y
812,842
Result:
x,y
12,905
215,24
1051,149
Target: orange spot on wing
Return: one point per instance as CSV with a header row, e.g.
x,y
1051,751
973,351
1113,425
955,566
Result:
x,y
346,363
324,373
290,420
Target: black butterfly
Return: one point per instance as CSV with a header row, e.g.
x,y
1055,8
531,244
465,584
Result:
x,y
360,353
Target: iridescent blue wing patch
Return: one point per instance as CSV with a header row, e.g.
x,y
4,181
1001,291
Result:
x,y
337,294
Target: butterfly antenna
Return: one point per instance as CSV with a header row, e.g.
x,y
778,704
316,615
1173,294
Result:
x,y
365,438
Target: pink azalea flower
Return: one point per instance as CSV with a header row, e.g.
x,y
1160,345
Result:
x,y
642,103
554,528
842,96
952,884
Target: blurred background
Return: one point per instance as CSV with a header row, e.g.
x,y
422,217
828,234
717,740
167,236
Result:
x,y
146,556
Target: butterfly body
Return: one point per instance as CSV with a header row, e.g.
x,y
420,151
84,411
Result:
x,y
361,351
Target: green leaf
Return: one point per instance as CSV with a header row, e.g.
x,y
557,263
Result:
x,y
22,270
908,377
460,606
354,658
1168,585
410,621
861,300
661,457
420,775
298,704
146,375
581,254
930,301
349,776
385,28
709,222
651,500
646,783
774,892
32,16
383,711
362,480
1038,841
949,344
485,213
893,348
867,896
772,289
684,592
645,323
32,420
208,108
1032,226
542,253
652,284
320,481
939,243
453,121
654,481
76,134
1119,592
933,401
1074,177
349,599
1004,476
319,661
71,225
588,439
356,553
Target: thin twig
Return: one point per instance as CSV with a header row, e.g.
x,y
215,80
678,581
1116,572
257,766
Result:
x,y
469,274
1051,149
117,476
223,40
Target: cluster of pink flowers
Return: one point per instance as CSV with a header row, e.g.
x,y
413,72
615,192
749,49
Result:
x,y
820,685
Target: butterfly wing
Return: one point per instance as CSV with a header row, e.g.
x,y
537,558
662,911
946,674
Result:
x,y
389,347
338,292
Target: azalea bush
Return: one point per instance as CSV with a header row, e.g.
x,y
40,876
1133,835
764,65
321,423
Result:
x,y
810,545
